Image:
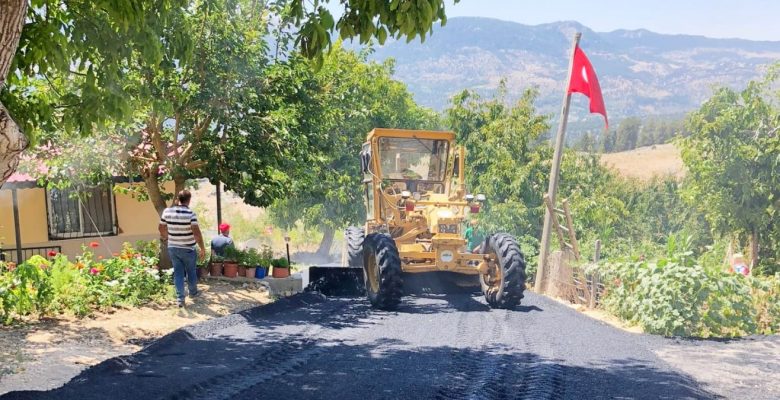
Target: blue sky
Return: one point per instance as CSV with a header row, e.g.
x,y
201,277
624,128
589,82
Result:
x,y
746,19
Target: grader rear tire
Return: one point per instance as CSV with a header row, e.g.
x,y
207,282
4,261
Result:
x,y
382,271
355,237
503,286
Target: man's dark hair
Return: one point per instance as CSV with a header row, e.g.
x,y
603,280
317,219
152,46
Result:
x,y
184,197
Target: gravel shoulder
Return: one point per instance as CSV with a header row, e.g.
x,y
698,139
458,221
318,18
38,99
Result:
x,y
46,354
746,368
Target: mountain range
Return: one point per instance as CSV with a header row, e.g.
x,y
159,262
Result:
x,y
641,72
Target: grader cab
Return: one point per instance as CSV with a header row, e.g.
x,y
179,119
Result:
x,y
416,206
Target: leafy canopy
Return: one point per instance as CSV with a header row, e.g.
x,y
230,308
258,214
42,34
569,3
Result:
x,y
362,95
733,157
93,45
365,20
89,44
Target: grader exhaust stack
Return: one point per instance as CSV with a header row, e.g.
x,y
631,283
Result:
x,y
416,207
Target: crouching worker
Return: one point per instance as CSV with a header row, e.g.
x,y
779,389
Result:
x,y
221,241
474,237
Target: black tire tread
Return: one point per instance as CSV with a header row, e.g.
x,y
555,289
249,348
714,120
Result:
x,y
512,262
390,281
355,237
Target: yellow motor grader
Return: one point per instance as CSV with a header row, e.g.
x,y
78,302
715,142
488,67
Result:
x,y
416,205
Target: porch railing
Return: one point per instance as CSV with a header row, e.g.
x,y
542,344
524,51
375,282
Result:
x,y
27,252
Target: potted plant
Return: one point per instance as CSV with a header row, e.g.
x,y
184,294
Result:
x,y
215,265
266,256
243,262
281,267
252,261
230,267
203,265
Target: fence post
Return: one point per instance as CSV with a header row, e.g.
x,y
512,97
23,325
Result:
x,y
594,280
17,231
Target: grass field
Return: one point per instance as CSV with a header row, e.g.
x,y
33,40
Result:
x,y
646,162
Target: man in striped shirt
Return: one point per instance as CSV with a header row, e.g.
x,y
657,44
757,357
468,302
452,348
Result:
x,y
179,229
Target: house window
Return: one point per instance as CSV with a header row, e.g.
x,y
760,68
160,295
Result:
x,y
81,213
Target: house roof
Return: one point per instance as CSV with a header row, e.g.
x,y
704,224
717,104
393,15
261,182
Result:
x,y
19,177
23,181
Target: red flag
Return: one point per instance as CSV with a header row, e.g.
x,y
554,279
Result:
x,y
583,80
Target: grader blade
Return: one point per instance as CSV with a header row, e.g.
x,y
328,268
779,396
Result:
x,y
334,280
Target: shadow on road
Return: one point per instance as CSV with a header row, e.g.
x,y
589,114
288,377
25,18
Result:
x,y
522,308
294,368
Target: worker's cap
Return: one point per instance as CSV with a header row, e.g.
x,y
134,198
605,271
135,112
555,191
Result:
x,y
224,227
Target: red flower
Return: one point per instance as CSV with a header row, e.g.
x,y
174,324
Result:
x,y
94,271
115,254
52,253
128,270
100,257
94,244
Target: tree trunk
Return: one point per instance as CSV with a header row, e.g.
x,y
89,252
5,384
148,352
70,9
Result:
x,y
152,183
12,140
178,186
754,248
327,241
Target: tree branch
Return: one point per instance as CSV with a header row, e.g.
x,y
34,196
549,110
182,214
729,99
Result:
x,y
198,132
195,165
157,142
177,118
144,159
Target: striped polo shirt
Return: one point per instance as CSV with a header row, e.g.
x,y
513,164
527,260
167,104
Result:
x,y
179,220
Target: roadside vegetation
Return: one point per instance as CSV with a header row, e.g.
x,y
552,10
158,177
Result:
x,y
47,286
666,241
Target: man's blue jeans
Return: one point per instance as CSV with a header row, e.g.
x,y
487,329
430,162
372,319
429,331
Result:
x,y
184,262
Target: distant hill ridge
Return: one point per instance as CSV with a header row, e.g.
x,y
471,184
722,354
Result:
x,y
641,72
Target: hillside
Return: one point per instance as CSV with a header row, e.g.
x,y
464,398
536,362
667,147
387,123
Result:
x,y
641,72
646,162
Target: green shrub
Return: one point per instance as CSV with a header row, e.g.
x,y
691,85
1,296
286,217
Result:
x,y
678,296
26,289
41,286
766,301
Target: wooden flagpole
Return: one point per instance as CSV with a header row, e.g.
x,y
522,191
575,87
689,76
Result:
x,y
553,187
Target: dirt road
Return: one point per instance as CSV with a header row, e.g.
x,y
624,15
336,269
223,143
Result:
x,y
433,347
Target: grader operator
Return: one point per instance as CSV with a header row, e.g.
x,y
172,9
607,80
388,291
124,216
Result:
x,y
416,202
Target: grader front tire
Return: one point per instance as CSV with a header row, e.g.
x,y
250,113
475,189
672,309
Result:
x,y
504,285
382,271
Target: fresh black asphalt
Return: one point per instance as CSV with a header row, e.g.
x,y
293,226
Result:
x,y
433,347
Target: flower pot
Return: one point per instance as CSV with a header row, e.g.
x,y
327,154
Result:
x,y
260,272
215,269
242,271
230,269
250,272
200,272
281,272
